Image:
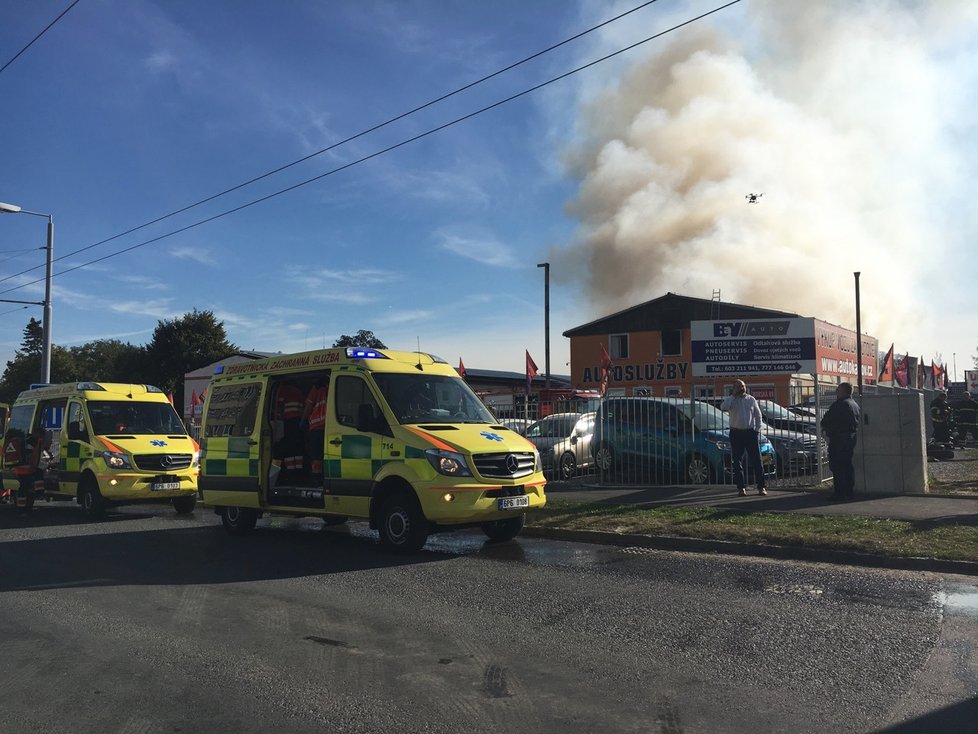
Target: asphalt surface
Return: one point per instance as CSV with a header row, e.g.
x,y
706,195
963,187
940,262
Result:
x,y
153,622
918,508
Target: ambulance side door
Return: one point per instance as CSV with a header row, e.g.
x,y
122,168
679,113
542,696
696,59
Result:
x,y
75,451
230,443
353,448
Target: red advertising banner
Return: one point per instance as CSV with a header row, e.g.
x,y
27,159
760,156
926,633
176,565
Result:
x,y
835,352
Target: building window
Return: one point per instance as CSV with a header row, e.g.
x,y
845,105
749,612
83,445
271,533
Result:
x,y
619,346
671,343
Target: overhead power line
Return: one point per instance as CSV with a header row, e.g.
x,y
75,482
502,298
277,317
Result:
x,y
63,12
377,153
337,144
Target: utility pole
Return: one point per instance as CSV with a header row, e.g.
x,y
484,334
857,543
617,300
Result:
x,y
546,319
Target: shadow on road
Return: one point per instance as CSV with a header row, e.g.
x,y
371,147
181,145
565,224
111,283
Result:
x,y
189,553
957,717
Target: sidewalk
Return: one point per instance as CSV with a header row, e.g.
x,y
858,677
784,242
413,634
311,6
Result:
x,y
917,508
912,507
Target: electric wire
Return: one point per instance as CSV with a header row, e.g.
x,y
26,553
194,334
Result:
x,y
375,154
63,12
339,143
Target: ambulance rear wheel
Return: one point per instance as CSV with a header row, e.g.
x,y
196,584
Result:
x,y
504,529
91,499
184,505
239,520
403,527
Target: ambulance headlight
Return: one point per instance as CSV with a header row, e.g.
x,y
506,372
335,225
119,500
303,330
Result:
x,y
449,463
116,461
196,460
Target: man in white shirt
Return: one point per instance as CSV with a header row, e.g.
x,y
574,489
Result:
x,y
745,436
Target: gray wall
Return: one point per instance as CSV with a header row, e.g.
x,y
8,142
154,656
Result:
x,y
891,451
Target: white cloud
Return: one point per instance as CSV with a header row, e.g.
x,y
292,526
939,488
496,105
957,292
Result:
x,y
196,254
159,309
485,250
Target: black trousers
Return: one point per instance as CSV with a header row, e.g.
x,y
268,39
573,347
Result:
x,y
841,447
746,441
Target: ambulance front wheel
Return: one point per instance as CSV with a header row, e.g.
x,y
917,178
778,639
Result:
x,y
504,529
90,498
239,520
185,505
403,527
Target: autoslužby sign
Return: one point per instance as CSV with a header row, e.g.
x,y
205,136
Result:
x,y
778,346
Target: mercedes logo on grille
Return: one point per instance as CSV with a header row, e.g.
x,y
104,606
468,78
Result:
x,y
512,463
166,460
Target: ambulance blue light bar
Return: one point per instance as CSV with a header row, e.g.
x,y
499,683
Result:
x,y
354,353
219,369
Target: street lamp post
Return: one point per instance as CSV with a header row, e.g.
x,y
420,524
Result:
x,y
46,324
546,319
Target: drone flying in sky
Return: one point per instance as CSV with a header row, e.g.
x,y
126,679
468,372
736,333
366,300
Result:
x,y
752,198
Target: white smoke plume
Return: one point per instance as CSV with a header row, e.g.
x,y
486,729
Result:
x,y
841,113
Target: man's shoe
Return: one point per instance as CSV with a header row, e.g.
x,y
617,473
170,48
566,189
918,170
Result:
x,y
761,491
742,493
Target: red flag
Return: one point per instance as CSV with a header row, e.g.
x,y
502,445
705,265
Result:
x,y
194,402
605,370
886,371
461,368
944,376
921,374
935,375
903,371
531,371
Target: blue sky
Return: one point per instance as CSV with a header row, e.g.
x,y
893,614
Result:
x,y
855,120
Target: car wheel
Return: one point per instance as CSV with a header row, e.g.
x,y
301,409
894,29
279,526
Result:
x,y
184,505
239,520
604,458
91,499
698,470
403,527
504,529
568,466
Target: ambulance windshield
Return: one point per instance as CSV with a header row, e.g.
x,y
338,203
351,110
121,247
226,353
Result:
x,y
431,399
135,418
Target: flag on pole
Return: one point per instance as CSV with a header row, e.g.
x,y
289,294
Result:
x,y
194,402
531,371
461,368
886,371
605,370
921,374
944,376
935,375
903,372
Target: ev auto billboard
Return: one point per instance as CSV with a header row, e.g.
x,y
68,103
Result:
x,y
778,346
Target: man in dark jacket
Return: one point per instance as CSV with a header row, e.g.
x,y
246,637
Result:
x,y
839,424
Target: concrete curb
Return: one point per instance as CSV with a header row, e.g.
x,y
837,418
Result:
x,y
726,547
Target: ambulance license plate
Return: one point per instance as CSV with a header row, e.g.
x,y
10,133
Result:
x,y
164,486
512,503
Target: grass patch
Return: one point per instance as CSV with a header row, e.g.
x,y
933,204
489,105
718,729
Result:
x,y
898,538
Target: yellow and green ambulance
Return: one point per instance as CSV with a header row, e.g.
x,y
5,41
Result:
x,y
102,444
406,445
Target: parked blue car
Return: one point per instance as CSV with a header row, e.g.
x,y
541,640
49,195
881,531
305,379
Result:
x,y
660,440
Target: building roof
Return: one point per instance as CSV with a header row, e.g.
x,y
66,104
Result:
x,y
668,312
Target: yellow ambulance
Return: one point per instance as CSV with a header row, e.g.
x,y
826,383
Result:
x,y
405,444
102,444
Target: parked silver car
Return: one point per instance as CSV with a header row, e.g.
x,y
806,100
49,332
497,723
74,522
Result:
x,y
554,429
573,453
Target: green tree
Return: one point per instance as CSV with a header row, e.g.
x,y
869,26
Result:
x,y
110,360
184,344
25,368
362,338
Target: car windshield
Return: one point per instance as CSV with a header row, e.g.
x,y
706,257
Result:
x,y
772,410
134,417
706,417
559,427
431,399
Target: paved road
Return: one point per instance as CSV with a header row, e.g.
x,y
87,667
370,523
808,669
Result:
x,y
151,622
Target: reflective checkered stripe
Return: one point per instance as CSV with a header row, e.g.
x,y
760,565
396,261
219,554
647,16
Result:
x,y
229,456
362,458
74,455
